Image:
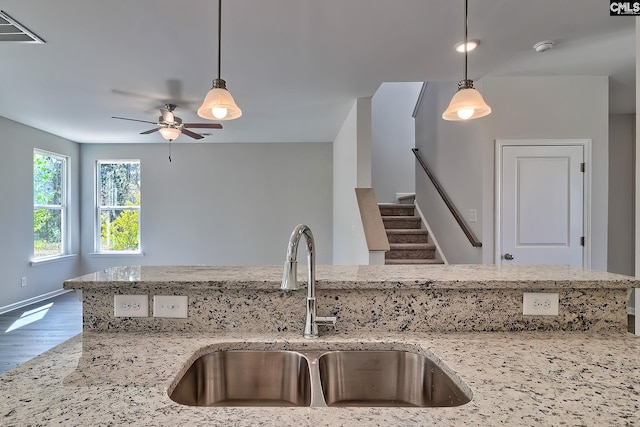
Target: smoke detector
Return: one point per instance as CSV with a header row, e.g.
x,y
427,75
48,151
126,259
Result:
x,y
544,46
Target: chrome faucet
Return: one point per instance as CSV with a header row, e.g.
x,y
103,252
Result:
x,y
290,282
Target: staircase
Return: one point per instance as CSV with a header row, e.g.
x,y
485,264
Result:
x,y
408,240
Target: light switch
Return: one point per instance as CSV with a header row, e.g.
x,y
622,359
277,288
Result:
x,y
473,215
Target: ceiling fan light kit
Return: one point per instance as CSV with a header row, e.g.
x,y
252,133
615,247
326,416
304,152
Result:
x,y
169,133
171,126
467,103
219,104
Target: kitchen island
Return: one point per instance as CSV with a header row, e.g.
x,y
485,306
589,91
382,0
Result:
x,y
520,376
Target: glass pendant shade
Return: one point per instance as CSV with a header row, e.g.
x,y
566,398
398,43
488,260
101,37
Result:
x,y
169,133
219,104
466,104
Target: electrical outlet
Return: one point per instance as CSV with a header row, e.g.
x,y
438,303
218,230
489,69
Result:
x,y
130,305
170,306
540,304
23,282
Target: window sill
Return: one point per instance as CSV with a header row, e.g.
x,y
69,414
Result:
x,y
116,254
43,261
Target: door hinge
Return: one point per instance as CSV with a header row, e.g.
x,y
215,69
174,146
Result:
x,y
582,167
582,241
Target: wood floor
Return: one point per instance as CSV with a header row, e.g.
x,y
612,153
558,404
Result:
x,y
34,329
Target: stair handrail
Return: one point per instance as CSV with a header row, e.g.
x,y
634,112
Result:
x,y
463,225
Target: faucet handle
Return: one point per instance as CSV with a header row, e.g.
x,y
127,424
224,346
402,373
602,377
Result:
x,y
327,321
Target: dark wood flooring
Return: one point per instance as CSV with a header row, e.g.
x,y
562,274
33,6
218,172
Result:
x,y
29,331
32,330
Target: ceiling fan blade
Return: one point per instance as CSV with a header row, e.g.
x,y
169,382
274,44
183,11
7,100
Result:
x,y
133,120
203,125
192,134
147,132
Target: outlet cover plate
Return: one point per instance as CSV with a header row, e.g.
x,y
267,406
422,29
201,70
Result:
x,y
131,306
175,306
540,303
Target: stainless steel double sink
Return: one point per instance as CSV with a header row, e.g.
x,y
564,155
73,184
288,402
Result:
x,y
341,378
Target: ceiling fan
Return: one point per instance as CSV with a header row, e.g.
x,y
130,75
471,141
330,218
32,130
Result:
x,y
171,126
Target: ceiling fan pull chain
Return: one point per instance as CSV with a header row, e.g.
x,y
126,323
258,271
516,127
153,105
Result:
x,y
170,144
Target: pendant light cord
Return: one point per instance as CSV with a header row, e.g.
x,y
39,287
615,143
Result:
x,y
466,36
219,36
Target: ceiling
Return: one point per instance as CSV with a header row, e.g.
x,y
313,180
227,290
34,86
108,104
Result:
x,y
293,66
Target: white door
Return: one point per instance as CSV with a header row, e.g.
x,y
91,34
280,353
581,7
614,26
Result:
x,y
541,204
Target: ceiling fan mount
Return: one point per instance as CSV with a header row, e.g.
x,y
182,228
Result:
x,y
170,126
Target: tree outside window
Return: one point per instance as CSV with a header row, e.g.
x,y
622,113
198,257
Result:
x,y
118,210
49,204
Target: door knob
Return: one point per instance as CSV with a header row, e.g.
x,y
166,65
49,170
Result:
x,y
508,257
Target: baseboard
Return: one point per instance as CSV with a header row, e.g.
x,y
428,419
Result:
x,y
24,303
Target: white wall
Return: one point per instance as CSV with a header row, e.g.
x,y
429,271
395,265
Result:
x,y
454,153
393,137
556,107
17,143
523,108
219,204
621,250
351,169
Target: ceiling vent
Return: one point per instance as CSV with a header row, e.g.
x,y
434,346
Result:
x,y
12,31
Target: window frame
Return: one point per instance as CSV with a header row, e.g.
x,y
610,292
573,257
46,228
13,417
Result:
x,y
63,207
98,209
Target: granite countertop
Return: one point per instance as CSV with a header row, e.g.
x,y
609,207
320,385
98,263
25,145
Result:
x,y
523,378
357,277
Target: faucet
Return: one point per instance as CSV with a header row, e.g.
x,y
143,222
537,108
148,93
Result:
x,y
290,282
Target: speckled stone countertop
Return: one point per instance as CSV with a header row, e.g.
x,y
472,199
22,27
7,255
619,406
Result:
x,y
356,277
517,379
523,378
456,298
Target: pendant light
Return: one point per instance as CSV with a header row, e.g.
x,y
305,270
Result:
x,y
467,103
219,104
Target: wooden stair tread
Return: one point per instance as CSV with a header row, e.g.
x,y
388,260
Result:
x,y
397,205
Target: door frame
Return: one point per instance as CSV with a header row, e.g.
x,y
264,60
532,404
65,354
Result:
x,y
586,208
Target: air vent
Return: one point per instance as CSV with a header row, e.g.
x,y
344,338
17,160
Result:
x,y
12,31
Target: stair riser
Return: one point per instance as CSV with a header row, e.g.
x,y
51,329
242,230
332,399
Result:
x,y
394,224
410,254
412,262
408,238
396,211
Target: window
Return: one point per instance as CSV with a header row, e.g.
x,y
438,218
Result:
x,y
118,206
49,204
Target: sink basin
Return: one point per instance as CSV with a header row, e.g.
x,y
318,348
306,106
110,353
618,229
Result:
x,y
386,378
318,378
246,378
